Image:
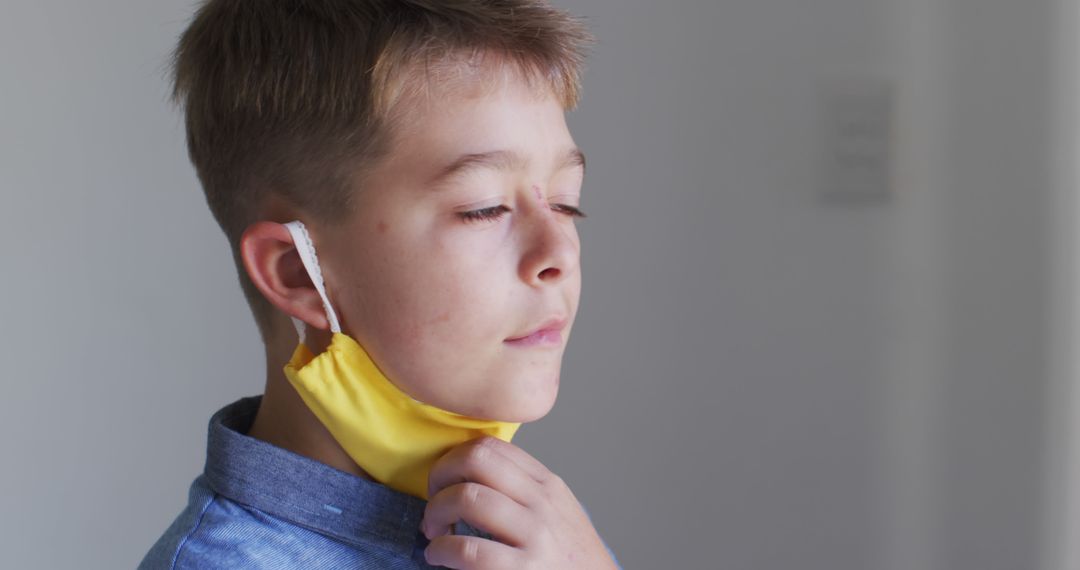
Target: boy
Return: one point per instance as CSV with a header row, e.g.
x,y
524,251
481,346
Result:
x,y
397,179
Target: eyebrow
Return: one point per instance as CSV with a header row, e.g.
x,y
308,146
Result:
x,y
503,160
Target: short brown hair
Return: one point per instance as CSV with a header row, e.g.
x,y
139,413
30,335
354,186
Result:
x,y
290,99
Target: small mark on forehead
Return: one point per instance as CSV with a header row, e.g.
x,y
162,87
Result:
x,y
381,226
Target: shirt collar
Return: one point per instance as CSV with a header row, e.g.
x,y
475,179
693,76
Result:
x,y
303,491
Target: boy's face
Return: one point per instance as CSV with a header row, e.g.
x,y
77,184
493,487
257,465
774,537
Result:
x,y
434,297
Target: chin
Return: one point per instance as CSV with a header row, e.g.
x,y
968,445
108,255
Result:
x,y
530,399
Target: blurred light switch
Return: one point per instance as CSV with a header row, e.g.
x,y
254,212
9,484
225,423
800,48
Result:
x,y
858,117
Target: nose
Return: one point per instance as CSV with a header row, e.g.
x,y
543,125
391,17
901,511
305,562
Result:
x,y
551,249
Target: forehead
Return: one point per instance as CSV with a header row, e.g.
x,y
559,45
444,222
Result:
x,y
478,110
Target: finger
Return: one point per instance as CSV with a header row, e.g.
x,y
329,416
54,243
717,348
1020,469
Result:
x,y
472,553
526,462
480,506
479,461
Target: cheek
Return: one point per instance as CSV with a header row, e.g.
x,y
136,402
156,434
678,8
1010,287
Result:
x,y
449,305
440,296
445,339
460,309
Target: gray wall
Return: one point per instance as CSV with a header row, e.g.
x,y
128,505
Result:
x,y
999,148
730,341
758,378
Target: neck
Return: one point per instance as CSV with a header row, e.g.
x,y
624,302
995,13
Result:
x,y
285,421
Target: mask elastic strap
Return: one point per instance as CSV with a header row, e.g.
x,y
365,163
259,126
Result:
x,y
306,249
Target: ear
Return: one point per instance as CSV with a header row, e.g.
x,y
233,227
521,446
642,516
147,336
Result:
x,y
273,264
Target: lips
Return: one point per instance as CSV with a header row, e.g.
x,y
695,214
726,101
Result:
x,y
547,333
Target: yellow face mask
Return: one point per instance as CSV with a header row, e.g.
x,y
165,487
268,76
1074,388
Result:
x,y
389,434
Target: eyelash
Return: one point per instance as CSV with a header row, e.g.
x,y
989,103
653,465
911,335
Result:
x,y
495,212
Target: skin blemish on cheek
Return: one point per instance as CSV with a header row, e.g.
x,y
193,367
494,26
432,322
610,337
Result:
x,y
381,227
441,318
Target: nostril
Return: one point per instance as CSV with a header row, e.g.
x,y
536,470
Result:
x,y
549,273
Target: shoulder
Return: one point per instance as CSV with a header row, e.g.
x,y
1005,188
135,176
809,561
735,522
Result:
x,y
163,553
215,532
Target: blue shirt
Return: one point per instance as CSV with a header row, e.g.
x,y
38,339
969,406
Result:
x,y
260,506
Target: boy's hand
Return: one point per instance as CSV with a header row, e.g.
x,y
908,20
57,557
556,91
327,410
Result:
x,y
498,488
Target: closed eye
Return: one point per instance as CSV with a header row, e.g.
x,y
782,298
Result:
x,y
484,213
495,212
568,210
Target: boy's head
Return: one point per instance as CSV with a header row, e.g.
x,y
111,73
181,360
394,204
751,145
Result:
x,y
424,145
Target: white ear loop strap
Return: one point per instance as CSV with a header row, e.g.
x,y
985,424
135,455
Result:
x,y
306,249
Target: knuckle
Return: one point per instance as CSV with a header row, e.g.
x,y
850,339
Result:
x,y
487,442
478,455
470,552
470,494
553,484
